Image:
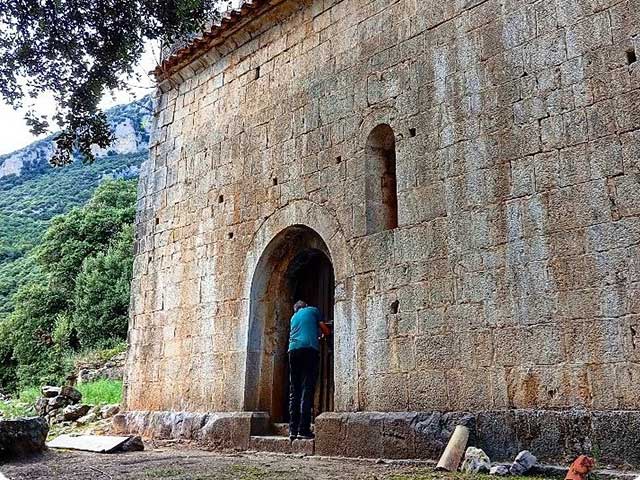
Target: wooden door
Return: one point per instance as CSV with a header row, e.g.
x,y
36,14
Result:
x,y
313,281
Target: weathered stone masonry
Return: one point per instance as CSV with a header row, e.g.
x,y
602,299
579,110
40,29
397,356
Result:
x,y
512,279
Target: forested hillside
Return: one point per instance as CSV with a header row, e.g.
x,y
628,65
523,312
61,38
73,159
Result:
x,y
65,250
35,192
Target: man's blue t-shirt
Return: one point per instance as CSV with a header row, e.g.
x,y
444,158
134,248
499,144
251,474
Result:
x,y
305,329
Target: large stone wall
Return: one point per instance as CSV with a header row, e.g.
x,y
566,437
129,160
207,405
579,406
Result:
x,y
516,262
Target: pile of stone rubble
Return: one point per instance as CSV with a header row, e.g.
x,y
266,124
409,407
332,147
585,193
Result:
x,y
62,406
477,461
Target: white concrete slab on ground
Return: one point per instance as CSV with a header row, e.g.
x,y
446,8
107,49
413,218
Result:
x,y
88,443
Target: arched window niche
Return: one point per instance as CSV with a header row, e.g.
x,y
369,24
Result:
x,y
380,189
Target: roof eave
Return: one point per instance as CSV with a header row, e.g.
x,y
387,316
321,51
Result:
x,y
231,22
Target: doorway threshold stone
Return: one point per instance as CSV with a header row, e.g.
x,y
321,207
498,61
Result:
x,y
281,444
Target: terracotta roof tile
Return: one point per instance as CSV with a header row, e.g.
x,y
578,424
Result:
x,y
201,44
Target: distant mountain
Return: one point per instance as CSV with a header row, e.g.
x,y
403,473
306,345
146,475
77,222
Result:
x,y
130,124
32,192
36,153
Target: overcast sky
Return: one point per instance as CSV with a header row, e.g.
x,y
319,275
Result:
x,y
14,133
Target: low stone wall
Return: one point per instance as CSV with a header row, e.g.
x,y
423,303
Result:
x,y
112,369
386,435
229,430
553,436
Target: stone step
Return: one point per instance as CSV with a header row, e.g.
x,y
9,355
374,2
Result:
x,y
280,444
282,429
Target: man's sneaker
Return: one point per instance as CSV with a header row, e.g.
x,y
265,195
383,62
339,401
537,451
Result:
x,y
292,437
306,436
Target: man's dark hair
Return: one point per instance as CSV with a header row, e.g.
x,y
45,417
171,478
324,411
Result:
x,y
298,305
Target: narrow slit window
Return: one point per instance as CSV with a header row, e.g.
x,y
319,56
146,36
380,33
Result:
x,y
381,185
395,306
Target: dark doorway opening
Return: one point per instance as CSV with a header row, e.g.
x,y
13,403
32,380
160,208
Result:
x,y
310,278
296,265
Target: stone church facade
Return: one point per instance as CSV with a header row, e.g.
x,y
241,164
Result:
x,y
456,184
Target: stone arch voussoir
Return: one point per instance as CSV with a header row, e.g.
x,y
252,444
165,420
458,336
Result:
x,y
301,213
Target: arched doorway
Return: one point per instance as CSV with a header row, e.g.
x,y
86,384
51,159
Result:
x,y
296,265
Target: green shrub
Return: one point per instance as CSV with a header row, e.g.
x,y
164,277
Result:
x,y
20,406
8,379
108,353
102,292
29,201
79,297
64,335
101,392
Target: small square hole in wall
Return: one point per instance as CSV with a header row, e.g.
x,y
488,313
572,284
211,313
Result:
x,y
338,160
412,132
157,221
275,181
221,199
257,73
230,235
631,56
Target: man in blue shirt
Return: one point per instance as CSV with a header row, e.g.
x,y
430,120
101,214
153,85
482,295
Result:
x,y
304,348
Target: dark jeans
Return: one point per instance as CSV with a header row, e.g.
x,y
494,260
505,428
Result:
x,y
303,374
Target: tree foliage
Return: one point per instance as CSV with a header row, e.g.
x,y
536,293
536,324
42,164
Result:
x,y
80,296
30,201
84,232
79,49
101,297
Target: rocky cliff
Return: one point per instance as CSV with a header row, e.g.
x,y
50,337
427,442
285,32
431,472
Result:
x,y
32,192
130,124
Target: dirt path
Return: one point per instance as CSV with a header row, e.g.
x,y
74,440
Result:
x,y
182,464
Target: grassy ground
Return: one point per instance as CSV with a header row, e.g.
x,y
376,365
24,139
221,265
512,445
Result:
x,y
14,409
29,395
22,406
100,392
